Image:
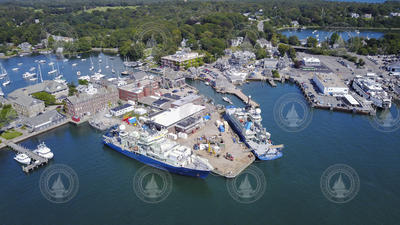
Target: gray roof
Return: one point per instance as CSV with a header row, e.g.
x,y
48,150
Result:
x,y
48,86
140,75
45,117
25,100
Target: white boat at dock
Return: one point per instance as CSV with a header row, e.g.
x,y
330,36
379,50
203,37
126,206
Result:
x,y
42,61
32,69
51,63
44,151
23,159
15,69
28,75
226,99
97,76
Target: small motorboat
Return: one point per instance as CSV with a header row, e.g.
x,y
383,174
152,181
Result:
x,y
51,63
78,73
32,69
42,61
43,151
7,82
226,99
28,75
23,159
15,69
74,64
19,64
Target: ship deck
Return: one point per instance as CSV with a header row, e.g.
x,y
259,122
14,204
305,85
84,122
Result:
x,y
222,166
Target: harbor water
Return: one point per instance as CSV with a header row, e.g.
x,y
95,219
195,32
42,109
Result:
x,y
292,188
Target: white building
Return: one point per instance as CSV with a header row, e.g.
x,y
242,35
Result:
x,y
311,62
368,15
121,110
172,116
329,84
295,23
236,41
354,15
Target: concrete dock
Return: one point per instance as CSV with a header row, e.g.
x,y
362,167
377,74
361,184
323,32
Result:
x,y
37,160
242,157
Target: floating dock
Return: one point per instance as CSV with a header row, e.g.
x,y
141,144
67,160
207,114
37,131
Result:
x,y
37,160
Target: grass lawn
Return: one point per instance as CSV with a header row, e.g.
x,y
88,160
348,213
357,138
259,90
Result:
x,y
104,8
10,134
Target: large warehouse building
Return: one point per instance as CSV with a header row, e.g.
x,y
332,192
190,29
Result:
x,y
329,84
169,119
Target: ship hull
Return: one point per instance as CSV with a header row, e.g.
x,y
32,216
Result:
x,y
160,165
261,157
243,139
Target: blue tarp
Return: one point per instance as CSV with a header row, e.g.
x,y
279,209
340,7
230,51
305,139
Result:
x,y
248,125
207,117
230,107
132,120
221,128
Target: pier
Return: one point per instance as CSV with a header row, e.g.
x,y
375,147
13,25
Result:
x,y
37,160
238,93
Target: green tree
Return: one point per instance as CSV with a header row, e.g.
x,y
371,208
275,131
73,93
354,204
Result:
x,y
312,42
294,40
282,48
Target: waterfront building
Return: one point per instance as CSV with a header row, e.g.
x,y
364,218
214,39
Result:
x,y
122,109
167,119
137,90
25,47
192,98
26,105
44,120
182,59
311,62
172,79
236,77
92,100
329,84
